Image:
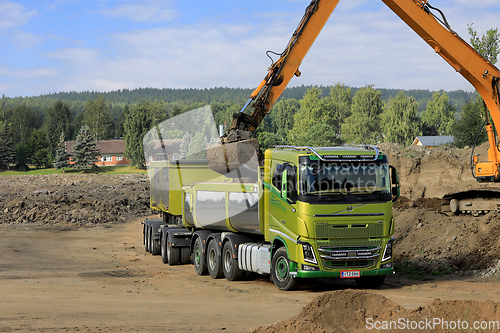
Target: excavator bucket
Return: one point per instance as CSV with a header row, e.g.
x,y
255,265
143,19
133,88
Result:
x,y
232,157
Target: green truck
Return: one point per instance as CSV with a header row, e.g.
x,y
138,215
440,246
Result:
x,y
305,213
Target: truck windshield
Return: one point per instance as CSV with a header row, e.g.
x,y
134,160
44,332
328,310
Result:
x,y
343,178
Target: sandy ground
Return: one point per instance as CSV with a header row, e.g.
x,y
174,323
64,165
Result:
x,y
72,259
101,279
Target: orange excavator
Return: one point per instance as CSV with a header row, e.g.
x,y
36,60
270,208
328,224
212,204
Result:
x,y
236,146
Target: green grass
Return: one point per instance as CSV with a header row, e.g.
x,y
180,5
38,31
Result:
x,y
110,170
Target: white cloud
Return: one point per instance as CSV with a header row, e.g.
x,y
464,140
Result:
x,y
13,15
66,40
25,40
145,11
81,59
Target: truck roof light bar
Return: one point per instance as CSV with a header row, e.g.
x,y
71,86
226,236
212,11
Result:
x,y
336,158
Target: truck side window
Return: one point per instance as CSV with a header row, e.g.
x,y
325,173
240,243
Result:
x,y
277,175
291,189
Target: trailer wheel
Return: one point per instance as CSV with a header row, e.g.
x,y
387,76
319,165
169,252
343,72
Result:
x,y
200,265
144,237
154,245
230,265
213,261
163,245
173,253
370,282
280,271
185,255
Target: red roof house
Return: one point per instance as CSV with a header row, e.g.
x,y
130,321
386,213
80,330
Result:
x,y
111,152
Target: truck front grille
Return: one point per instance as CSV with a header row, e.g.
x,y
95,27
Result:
x,y
349,256
350,230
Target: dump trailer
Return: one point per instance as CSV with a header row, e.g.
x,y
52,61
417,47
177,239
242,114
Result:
x,y
306,213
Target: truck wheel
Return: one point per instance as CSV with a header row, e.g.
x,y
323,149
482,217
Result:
x,y
185,255
213,261
173,253
154,245
200,265
280,271
370,282
144,237
230,265
146,241
163,245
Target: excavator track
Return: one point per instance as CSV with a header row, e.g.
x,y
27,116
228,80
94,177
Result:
x,y
474,202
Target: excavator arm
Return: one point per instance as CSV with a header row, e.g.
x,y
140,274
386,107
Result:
x,y
236,146
484,76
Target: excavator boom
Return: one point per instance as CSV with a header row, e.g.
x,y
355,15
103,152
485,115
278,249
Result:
x,y
237,146
483,75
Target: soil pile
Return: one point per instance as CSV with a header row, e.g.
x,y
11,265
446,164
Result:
x,y
73,200
347,311
432,173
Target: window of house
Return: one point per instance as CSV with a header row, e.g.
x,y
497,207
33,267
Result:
x,y
106,158
119,157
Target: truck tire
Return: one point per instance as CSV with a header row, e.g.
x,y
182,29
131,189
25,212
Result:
x,y
185,255
163,245
230,265
154,245
144,237
280,270
173,253
213,261
146,241
370,282
200,265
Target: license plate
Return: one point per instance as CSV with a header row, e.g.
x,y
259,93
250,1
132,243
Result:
x,y
350,274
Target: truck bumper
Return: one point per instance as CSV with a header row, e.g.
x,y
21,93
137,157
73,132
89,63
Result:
x,y
322,274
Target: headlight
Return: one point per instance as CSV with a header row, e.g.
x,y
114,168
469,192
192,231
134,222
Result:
x,y
309,253
388,250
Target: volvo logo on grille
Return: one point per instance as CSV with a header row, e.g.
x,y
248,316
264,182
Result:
x,y
350,209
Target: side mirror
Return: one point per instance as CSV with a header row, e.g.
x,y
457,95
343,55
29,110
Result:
x,y
395,188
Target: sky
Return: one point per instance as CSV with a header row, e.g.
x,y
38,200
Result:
x,y
49,46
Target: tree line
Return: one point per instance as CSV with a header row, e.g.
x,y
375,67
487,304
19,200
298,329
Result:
x,y
318,118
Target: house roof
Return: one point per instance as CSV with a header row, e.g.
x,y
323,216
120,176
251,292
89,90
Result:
x,y
431,141
105,146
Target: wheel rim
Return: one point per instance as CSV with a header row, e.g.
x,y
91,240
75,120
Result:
x,y
197,256
281,269
227,261
168,250
211,259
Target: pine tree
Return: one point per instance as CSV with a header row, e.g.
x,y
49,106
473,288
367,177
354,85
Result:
x,y
38,150
7,149
62,155
85,150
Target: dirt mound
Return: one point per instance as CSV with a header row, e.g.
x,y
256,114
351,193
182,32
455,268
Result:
x,y
432,173
347,311
436,242
73,200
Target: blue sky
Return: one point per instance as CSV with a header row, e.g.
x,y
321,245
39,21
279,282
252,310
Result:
x,y
103,45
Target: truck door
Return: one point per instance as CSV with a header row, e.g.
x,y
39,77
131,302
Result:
x,y
283,197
